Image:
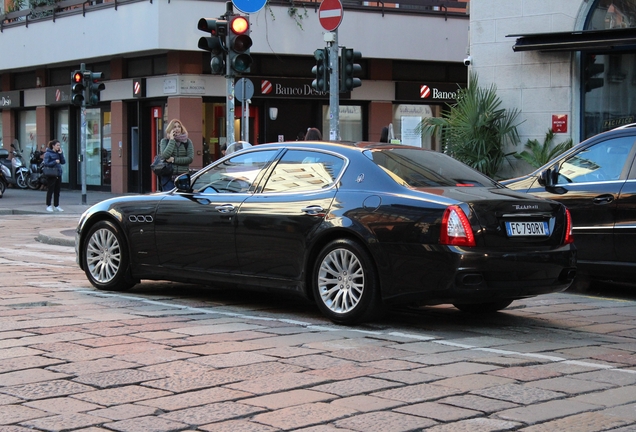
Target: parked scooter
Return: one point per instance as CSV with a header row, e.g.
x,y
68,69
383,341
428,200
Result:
x,y
36,178
3,182
14,170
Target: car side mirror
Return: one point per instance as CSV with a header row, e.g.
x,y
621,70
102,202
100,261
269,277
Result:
x,y
182,183
548,178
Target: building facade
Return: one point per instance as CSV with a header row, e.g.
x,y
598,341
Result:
x,y
568,65
412,66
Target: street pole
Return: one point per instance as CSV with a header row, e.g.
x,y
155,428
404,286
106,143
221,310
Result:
x,y
334,90
229,107
83,135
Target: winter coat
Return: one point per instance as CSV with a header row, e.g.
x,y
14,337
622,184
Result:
x,y
50,160
183,154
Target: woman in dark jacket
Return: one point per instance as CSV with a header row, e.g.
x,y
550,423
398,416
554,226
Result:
x,y
54,157
178,149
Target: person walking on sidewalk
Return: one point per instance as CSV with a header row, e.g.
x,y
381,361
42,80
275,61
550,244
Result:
x,y
54,157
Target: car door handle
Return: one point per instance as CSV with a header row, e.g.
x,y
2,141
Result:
x,y
603,199
314,210
224,208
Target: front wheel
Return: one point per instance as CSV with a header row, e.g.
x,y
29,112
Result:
x,y
345,283
105,256
483,308
21,178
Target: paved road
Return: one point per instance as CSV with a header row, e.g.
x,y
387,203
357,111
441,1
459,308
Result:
x,y
173,357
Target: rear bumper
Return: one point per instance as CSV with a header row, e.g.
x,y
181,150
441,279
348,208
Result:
x,y
475,275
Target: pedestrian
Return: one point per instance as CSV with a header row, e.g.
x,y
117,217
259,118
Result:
x,y
384,135
177,149
313,134
54,157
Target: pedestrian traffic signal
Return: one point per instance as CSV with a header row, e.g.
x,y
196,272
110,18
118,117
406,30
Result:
x,y
215,43
321,70
239,43
349,68
77,88
590,72
94,87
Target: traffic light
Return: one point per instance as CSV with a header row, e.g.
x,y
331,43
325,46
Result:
x,y
349,68
590,72
239,43
77,88
321,70
94,87
215,43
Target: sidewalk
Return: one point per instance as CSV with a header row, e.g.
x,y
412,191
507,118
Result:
x,y
30,202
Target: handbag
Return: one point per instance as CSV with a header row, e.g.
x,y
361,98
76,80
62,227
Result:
x,y
50,171
160,167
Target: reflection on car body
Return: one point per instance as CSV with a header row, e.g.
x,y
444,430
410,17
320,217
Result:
x,y
354,227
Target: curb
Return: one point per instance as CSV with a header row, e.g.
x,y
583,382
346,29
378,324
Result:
x,y
55,237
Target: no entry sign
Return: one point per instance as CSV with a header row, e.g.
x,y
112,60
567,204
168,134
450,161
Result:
x,y
330,14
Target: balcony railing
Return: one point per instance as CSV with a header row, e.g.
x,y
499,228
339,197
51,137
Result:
x,y
66,7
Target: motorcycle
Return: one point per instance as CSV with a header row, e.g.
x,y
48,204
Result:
x,y
14,170
36,178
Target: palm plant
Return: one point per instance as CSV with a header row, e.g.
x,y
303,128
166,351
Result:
x,y
538,155
476,129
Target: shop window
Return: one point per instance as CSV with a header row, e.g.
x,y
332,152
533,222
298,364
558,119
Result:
x,y
350,123
407,118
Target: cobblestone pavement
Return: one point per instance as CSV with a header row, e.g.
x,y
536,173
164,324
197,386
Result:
x,y
176,357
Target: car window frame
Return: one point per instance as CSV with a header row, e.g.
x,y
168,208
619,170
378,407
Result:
x,y
624,173
257,180
274,164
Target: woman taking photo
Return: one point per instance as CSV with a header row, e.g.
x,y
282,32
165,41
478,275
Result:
x,y
177,149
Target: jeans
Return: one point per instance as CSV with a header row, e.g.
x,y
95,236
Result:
x,y
166,183
53,190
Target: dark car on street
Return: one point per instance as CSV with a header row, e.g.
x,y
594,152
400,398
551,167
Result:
x,y
354,227
596,181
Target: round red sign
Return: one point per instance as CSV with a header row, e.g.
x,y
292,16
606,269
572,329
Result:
x,y
330,14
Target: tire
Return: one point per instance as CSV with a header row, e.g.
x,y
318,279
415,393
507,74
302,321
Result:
x,y
21,178
3,187
105,258
483,308
345,283
33,182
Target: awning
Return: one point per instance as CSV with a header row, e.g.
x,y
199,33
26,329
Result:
x,y
586,40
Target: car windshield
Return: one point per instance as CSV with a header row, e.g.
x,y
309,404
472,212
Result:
x,y
420,168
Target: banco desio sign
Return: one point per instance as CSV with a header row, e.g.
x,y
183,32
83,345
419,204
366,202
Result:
x,y
427,92
288,88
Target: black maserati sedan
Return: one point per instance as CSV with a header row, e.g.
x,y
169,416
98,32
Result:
x,y
596,180
354,227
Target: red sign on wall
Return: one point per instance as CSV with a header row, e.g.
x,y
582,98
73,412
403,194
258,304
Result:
x,y
559,123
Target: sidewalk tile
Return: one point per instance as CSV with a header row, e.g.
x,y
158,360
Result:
x,y
212,413
120,395
417,393
64,422
478,403
47,389
355,386
276,383
303,415
363,403
11,414
286,399
518,394
383,421
478,425
539,413
240,426
146,424
195,398
438,411
62,405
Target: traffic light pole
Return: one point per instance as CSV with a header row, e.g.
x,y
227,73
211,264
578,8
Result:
x,y
334,91
229,107
83,150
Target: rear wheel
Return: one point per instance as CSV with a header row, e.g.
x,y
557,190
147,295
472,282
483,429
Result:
x,y
345,283
105,256
483,308
33,182
2,188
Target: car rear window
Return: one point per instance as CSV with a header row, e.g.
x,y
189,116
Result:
x,y
421,168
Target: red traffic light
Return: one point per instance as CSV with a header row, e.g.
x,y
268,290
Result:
x,y
240,25
78,77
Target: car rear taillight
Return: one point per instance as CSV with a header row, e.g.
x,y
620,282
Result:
x,y
568,228
456,229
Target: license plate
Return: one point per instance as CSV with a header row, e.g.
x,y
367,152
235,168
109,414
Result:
x,y
524,229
